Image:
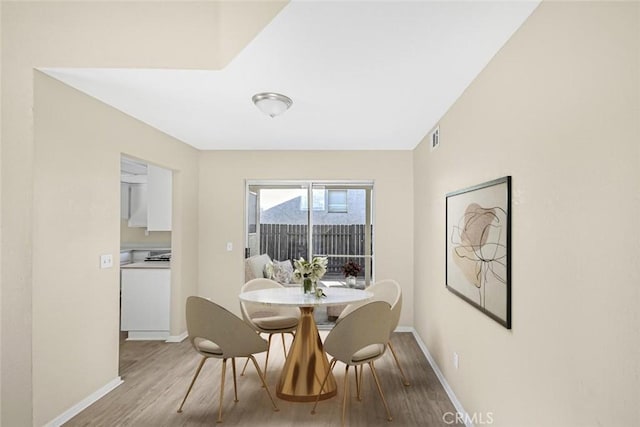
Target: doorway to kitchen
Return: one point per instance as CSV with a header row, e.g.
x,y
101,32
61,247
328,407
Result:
x,y
145,251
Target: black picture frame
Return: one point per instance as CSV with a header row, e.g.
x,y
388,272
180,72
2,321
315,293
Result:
x,y
478,247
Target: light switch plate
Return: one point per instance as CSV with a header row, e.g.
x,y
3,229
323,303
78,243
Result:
x,y
106,261
229,246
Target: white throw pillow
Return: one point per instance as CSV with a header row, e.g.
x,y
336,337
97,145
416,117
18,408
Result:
x,y
254,266
280,271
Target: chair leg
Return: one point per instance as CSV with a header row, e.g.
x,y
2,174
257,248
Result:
x,y
345,398
375,377
192,382
293,335
360,381
283,343
355,371
404,379
284,347
235,385
324,381
264,382
224,370
266,360
246,362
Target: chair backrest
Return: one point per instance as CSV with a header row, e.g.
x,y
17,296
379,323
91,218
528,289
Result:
x,y
366,325
387,290
253,310
210,321
390,291
260,283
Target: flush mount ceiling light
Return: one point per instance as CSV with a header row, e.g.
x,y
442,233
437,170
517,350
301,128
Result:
x,y
272,104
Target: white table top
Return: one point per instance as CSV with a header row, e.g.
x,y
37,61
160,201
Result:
x,y
294,297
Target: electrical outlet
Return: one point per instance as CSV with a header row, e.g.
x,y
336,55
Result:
x,y
456,360
106,261
229,246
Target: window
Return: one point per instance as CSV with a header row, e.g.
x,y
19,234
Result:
x,y
318,200
339,226
252,216
337,201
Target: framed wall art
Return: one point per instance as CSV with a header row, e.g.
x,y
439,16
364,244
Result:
x,y
478,270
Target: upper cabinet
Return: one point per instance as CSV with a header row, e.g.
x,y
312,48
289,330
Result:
x,y
159,195
124,200
146,196
138,205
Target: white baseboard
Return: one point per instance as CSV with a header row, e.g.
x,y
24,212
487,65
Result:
x,y
178,338
84,403
456,403
148,335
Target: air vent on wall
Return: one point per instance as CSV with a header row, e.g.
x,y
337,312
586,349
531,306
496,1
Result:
x,y
434,138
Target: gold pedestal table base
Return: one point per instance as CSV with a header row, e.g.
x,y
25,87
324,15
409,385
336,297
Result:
x,y
306,365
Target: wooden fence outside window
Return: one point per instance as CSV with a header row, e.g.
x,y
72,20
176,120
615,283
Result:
x,y
289,241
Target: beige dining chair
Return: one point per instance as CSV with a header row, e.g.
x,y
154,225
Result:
x,y
268,319
360,338
385,290
217,333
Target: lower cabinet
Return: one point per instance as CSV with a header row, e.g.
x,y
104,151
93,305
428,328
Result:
x,y
145,303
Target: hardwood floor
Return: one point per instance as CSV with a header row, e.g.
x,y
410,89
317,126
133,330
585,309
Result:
x,y
156,376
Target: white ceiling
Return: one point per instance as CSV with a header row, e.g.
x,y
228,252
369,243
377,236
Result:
x,y
362,75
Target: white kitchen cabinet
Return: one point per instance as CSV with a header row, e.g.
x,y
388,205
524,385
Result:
x,y
145,302
124,200
159,195
137,205
150,203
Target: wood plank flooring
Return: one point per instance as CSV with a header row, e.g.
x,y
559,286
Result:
x,y
156,376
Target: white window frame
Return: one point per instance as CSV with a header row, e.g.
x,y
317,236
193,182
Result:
x,y
309,185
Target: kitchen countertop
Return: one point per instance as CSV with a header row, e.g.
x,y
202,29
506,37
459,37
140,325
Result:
x,y
147,264
144,248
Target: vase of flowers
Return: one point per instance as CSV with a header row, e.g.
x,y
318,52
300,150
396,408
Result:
x,y
309,273
351,269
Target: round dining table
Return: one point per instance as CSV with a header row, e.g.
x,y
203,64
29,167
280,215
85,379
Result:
x,y
306,363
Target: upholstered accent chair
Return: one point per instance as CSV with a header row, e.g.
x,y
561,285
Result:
x,y
359,338
268,319
217,333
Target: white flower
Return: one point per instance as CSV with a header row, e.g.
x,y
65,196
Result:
x,y
313,270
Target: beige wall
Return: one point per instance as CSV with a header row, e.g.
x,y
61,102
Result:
x,y
240,21
137,235
80,34
77,218
1,316
66,34
222,200
558,109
